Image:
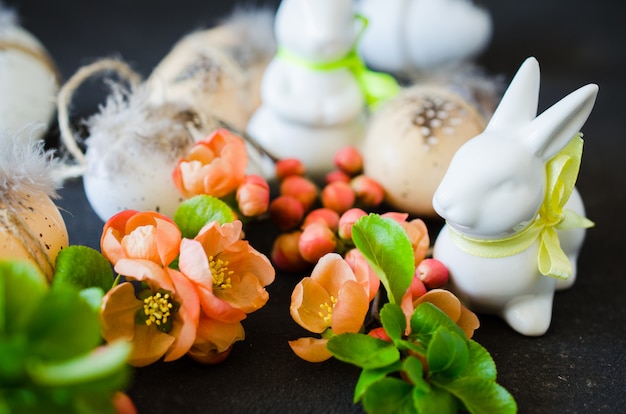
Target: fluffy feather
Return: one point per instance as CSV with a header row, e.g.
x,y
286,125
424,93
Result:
x,y
26,168
128,126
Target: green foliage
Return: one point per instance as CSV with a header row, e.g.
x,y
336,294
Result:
x,y
388,250
50,358
83,267
197,211
443,373
428,365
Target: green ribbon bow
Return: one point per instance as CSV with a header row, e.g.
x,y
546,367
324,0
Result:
x,y
376,87
562,171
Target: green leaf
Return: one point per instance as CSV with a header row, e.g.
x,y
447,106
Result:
x,y
196,212
480,365
97,364
447,353
393,320
481,396
427,318
93,296
83,268
65,325
414,370
404,345
370,376
388,250
22,286
363,350
389,395
435,401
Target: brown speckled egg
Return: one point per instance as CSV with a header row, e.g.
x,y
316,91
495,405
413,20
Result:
x,y
33,230
411,140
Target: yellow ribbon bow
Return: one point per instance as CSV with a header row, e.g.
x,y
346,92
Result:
x,y
377,87
561,171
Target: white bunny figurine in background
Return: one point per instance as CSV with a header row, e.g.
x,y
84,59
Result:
x,y
312,101
512,228
406,36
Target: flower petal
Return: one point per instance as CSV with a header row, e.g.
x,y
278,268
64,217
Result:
x,y
351,308
149,345
117,313
243,259
189,314
216,238
444,300
145,270
194,263
331,272
468,321
311,349
215,337
307,300
217,308
246,293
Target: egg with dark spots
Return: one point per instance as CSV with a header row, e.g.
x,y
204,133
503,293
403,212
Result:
x,y
411,140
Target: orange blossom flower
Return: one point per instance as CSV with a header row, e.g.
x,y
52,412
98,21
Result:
x,y
214,340
160,319
253,196
229,275
140,235
331,298
215,166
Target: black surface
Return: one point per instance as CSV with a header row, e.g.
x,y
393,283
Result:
x,y
579,366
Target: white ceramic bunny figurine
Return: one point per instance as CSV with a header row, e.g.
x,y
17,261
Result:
x,y
503,198
312,102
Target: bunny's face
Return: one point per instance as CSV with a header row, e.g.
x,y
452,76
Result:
x,y
319,30
492,188
496,182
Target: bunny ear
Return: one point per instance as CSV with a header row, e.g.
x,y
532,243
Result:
x,y
555,127
518,106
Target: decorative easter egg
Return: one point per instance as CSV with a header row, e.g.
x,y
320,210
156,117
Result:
x,y
31,226
131,153
411,140
405,36
29,81
217,72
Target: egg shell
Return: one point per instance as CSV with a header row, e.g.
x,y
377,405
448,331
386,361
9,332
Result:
x,y
29,83
34,231
144,185
411,140
217,72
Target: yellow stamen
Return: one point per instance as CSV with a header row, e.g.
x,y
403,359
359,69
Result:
x,y
326,312
220,272
157,308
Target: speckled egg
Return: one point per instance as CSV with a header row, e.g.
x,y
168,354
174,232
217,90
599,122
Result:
x,y
33,230
411,140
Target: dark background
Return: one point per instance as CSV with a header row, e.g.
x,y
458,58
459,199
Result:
x,y
579,366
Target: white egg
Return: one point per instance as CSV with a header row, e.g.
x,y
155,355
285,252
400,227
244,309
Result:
x,y
29,82
411,140
404,36
132,150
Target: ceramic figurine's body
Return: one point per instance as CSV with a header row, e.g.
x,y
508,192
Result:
x,y
501,240
311,107
405,36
